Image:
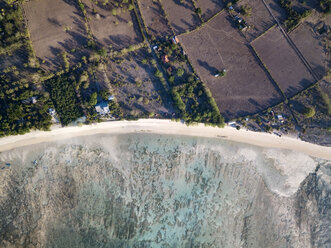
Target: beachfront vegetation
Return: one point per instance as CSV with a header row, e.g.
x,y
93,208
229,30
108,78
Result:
x,y
63,95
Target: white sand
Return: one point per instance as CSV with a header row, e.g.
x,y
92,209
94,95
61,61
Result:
x,y
170,128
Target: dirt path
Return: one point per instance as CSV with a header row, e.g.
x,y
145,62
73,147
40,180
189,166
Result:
x,y
292,44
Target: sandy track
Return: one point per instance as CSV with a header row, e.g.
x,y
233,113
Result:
x,y
169,128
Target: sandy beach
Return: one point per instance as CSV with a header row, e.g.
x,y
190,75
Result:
x,y
166,127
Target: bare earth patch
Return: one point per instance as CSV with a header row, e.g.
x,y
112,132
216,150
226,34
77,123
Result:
x,y
209,8
245,89
137,90
181,15
55,26
276,9
311,44
260,19
118,31
154,18
282,61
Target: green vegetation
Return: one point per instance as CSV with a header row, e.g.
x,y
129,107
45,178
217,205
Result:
x,y
325,6
194,102
327,102
308,112
293,17
63,95
221,73
246,10
180,72
198,11
11,27
22,108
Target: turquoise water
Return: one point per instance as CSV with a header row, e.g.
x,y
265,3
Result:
x,y
147,190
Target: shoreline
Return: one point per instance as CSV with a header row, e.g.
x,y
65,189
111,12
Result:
x,y
166,127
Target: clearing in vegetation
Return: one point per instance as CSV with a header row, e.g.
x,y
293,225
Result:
x,y
181,15
139,92
155,21
283,63
246,88
114,24
56,26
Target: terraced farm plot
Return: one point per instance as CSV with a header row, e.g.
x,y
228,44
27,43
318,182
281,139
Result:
x,y
245,89
209,8
181,15
283,63
138,91
260,19
55,26
312,46
113,26
154,18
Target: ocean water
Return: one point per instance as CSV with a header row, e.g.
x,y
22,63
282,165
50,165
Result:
x,y
148,190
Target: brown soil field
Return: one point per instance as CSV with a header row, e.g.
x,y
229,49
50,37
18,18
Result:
x,y
246,88
137,90
209,7
276,9
260,19
118,31
181,15
283,63
154,18
55,26
311,45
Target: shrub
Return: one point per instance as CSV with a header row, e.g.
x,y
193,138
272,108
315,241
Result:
x,y
308,112
180,72
198,11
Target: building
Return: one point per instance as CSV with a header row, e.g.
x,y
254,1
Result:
x,y
165,59
175,40
33,99
102,108
51,111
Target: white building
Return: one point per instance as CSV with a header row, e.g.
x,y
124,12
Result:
x,y
102,108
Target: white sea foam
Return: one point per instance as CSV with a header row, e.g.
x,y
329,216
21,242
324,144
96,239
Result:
x,y
166,191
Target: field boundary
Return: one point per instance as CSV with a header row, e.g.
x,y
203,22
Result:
x,y
264,33
141,25
196,7
166,17
202,24
285,99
